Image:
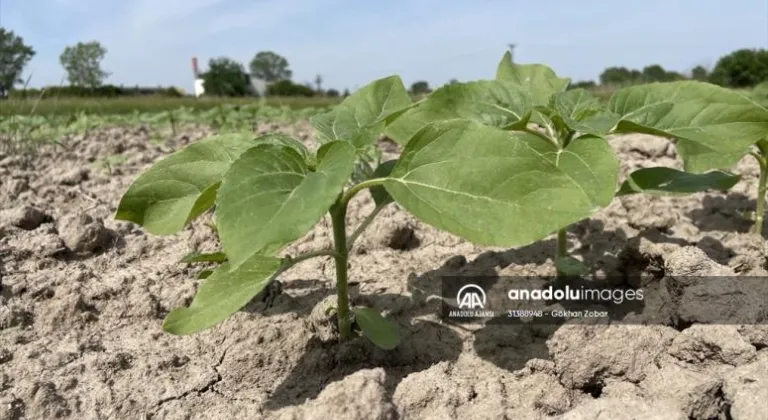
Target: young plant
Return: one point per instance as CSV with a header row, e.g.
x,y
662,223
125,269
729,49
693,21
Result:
x,y
269,191
567,129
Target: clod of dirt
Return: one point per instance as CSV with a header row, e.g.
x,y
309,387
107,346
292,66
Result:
x,y
322,320
358,396
586,355
642,259
24,217
701,344
757,335
395,231
707,292
623,409
746,389
644,212
692,261
14,187
82,233
697,394
73,177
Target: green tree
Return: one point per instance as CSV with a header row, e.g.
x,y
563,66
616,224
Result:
x,y
699,73
620,76
654,73
270,67
332,93
419,88
14,56
585,84
82,62
288,88
226,77
741,68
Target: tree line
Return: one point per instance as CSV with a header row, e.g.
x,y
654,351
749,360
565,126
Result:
x,y
224,76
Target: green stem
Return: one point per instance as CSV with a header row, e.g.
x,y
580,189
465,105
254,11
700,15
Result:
x,y
364,225
344,200
562,247
309,255
541,135
338,220
761,186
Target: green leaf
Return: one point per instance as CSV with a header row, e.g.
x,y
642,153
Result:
x,y
204,274
570,266
222,294
182,186
362,116
269,197
698,158
495,103
707,120
279,139
379,193
668,181
582,112
376,328
540,81
500,188
589,161
196,257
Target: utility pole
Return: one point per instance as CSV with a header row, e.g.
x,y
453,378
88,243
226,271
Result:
x,y
512,51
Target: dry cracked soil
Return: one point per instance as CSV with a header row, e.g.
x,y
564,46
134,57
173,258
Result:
x,y
82,299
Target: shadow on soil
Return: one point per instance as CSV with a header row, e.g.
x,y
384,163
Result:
x,y
724,214
508,344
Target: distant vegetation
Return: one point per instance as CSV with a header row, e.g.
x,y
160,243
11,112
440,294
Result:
x,y
229,81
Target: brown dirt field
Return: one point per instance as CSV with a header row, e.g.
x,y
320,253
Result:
x,y
82,299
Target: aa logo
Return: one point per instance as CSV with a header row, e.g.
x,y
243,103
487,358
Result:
x,y
471,296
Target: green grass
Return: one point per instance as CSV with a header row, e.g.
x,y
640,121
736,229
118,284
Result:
x,y
147,104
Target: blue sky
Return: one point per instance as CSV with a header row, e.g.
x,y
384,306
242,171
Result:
x,y
350,43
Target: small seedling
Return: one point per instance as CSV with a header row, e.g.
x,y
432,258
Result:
x,y
569,170
269,191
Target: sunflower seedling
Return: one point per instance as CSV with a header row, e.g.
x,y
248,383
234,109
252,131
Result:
x,y
558,166
269,191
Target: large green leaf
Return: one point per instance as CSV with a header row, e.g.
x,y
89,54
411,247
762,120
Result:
x,y
269,197
495,103
589,161
362,116
223,293
182,186
197,257
540,81
379,193
668,181
578,110
713,125
500,188
376,328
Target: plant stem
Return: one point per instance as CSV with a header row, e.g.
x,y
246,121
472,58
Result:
x,y
760,210
562,247
541,135
360,229
338,220
344,200
309,255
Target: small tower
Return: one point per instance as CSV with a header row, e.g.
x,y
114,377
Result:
x,y
198,81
